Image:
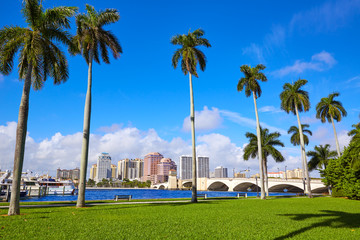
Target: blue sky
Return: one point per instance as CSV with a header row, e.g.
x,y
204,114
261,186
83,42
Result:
x,y
140,103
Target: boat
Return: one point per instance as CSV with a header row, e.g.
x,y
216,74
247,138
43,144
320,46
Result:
x,y
53,187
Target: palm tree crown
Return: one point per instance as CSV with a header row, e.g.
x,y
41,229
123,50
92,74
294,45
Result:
x,y
269,142
293,96
91,40
36,43
250,81
189,53
295,138
320,156
328,107
355,133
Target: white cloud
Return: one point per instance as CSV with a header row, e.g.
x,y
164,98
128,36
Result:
x,y
319,62
204,120
255,51
309,120
248,122
270,109
327,17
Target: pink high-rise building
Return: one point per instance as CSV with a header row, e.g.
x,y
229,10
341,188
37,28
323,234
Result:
x,y
163,168
151,161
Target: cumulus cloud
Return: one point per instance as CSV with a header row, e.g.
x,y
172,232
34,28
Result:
x,y
309,120
319,62
204,120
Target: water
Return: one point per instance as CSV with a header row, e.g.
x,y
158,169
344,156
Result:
x,y
106,194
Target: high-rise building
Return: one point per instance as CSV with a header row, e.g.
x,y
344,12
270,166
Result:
x,y
163,169
130,168
186,167
73,174
103,167
221,172
151,161
113,171
93,171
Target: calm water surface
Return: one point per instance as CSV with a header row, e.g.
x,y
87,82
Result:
x,y
104,194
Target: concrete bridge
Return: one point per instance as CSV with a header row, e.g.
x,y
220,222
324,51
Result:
x,y
245,185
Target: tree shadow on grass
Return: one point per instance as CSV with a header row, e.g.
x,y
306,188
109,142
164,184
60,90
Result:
x,y
335,219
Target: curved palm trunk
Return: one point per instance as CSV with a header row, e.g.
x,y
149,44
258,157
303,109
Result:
x,y
21,129
192,120
303,155
259,150
266,177
336,138
85,143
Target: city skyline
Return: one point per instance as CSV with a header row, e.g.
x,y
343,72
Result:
x,y
288,45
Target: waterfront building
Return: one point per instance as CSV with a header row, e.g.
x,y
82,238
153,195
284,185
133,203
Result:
x,y
296,173
103,167
93,170
130,169
151,160
239,175
163,168
221,172
73,174
186,167
276,174
113,171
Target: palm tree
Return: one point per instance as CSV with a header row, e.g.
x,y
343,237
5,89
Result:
x,y
295,100
39,58
268,143
320,157
190,57
92,41
355,133
252,86
295,138
330,109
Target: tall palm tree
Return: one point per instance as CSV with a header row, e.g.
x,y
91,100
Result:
x,y
320,156
330,109
92,41
268,143
251,84
295,100
190,57
295,139
39,58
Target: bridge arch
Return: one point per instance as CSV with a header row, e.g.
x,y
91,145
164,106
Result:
x,y
286,188
246,187
218,186
320,190
161,187
187,184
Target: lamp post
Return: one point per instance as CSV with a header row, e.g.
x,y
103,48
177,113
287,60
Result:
x,y
278,172
248,172
285,173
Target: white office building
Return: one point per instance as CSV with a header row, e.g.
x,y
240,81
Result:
x,y
103,167
186,167
221,172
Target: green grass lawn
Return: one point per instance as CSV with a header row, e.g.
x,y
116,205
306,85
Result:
x,y
295,218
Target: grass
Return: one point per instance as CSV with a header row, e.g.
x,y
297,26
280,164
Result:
x,y
277,218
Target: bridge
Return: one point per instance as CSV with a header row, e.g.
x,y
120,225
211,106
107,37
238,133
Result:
x,y
245,185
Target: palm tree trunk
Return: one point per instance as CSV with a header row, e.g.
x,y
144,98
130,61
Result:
x,y
192,120
21,129
336,138
266,177
303,155
259,150
86,137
